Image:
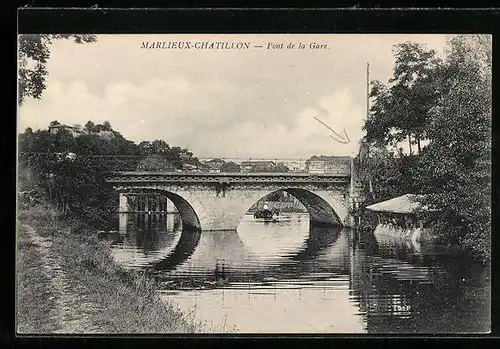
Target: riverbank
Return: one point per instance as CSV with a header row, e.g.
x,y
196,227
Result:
x,y
67,282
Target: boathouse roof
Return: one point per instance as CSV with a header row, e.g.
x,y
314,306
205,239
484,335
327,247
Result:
x,y
408,203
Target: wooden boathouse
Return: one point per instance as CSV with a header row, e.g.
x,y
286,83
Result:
x,y
402,217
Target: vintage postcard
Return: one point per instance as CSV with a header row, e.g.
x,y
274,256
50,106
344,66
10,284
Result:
x,y
254,183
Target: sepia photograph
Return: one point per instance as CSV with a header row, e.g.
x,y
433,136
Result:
x,y
254,183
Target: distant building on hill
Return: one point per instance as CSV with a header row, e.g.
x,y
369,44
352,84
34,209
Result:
x,y
54,129
76,131
296,165
106,134
214,165
329,164
257,166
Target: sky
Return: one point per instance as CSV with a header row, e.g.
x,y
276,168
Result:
x,y
254,102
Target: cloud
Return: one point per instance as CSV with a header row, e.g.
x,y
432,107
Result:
x,y
258,103
305,137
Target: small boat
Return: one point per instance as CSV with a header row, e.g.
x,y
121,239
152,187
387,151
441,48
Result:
x,y
263,214
267,216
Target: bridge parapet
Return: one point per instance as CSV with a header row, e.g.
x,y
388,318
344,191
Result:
x,y
196,177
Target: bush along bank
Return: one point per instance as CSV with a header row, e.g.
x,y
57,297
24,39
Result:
x,y
68,282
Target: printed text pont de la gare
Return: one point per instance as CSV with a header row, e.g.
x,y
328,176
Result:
x,y
232,45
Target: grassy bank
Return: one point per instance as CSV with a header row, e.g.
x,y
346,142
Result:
x,y
67,281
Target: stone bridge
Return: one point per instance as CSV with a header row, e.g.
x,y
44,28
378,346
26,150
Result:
x,y
218,201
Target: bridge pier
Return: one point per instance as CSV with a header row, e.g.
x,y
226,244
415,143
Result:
x,y
122,222
122,203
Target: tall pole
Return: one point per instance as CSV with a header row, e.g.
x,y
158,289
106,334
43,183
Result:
x,y
367,89
367,114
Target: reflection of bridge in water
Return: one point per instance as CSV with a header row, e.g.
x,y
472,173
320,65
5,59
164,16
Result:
x,y
222,245
323,250
226,254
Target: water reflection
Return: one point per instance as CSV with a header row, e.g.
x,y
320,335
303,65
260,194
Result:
x,y
288,278
183,250
403,289
255,253
143,239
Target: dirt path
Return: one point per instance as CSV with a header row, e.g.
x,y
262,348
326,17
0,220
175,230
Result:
x,y
71,311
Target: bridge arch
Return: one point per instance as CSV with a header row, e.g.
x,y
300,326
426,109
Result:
x,y
192,215
190,210
321,209
324,207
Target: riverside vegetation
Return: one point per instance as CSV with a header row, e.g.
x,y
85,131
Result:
x,y
67,282
441,110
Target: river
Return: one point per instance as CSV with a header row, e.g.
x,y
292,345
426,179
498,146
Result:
x,y
287,278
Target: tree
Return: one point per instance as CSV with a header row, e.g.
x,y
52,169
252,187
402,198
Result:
x,y
391,174
64,141
155,163
89,127
416,84
380,120
281,167
175,150
230,167
33,53
457,161
401,110
106,126
158,147
160,157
